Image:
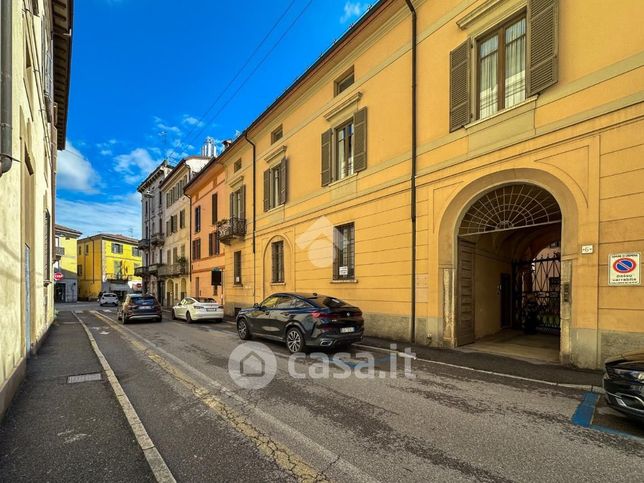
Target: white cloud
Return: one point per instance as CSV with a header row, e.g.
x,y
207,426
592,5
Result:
x,y
353,10
192,121
106,152
121,214
75,172
135,165
161,125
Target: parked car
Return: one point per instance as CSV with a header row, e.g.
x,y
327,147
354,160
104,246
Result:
x,y
108,299
138,306
302,320
624,384
198,308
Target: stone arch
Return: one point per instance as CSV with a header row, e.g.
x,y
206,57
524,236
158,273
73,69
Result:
x,y
571,202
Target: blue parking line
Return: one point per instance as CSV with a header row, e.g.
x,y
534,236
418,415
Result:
x,y
584,417
584,414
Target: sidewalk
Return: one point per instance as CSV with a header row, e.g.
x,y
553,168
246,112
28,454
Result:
x,y
551,373
57,431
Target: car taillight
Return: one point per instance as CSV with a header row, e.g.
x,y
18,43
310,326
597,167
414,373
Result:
x,y
323,317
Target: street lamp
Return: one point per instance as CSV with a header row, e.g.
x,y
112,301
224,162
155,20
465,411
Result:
x,y
148,195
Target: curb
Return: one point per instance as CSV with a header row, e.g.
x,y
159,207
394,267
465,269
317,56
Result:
x,y
581,387
153,457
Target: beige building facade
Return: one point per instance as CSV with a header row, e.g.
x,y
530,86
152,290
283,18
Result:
x,y
444,184
175,271
34,85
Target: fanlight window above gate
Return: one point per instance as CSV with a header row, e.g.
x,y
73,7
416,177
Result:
x,y
510,207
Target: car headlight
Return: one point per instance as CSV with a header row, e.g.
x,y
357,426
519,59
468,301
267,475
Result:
x,y
630,374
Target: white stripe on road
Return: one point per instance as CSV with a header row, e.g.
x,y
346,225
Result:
x,y
155,460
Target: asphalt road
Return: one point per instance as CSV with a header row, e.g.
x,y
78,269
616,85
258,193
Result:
x,y
444,424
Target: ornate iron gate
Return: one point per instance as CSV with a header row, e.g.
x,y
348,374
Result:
x,y
540,278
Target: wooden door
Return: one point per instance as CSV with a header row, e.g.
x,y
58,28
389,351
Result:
x,y
465,293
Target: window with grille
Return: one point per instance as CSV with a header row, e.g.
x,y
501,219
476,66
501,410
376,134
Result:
x,y
277,258
117,248
237,165
344,252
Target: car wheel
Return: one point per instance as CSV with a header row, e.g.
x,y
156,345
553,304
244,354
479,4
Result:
x,y
294,340
243,330
100,304
174,316
188,318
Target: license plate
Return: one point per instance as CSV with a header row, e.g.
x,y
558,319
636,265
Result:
x,y
146,308
211,310
345,330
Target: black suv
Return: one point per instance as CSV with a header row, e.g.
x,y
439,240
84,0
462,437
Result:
x,y
302,320
137,306
624,384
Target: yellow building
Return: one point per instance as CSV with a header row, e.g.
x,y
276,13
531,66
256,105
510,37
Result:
x,y
66,264
106,263
453,183
34,86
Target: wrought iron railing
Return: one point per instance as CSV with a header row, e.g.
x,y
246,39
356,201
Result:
x,y
157,238
173,270
227,230
141,271
60,251
144,243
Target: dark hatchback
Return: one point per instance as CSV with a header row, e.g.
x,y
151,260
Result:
x,y
624,384
137,306
302,320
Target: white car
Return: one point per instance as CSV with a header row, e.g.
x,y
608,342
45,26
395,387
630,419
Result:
x,y
198,308
108,299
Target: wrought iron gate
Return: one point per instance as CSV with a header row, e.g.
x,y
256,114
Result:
x,y
539,278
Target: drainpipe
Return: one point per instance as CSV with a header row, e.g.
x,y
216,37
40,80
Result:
x,y
412,328
5,86
254,211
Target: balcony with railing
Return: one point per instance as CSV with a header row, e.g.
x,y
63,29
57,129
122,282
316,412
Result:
x,y
144,243
154,268
142,271
228,230
157,238
173,270
60,252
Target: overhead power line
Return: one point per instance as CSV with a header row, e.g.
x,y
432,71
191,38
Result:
x,y
201,119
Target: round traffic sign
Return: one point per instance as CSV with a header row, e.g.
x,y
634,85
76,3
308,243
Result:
x,y
58,276
624,265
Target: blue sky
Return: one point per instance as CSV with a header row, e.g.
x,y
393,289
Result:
x,y
149,80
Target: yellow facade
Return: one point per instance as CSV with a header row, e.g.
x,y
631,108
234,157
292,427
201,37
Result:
x,y
66,289
32,131
577,140
106,263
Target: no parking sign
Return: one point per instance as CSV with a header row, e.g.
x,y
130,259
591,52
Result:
x,y
624,269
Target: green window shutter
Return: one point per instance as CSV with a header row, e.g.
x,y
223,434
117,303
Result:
x,y
242,192
543,44
459,86
326,157
232,205
360,140
267,190
283,181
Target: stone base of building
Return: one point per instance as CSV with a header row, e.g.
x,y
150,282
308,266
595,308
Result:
x,y
11,385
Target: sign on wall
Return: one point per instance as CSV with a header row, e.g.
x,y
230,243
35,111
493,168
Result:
x,y
58,276
624,269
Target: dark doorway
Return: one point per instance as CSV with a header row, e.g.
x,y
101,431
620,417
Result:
x,y
60,290
505,289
